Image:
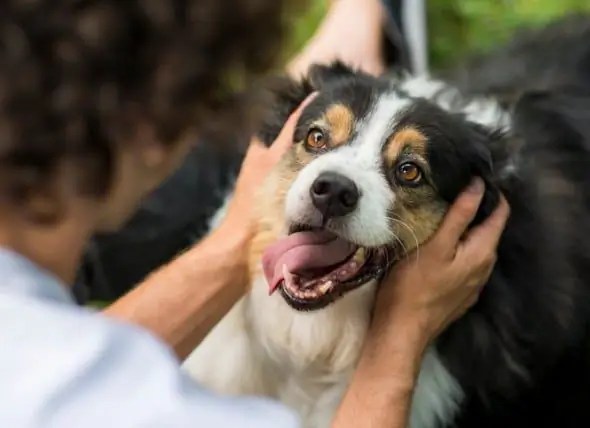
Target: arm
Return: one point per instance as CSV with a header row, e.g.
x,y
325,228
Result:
x,y
182,301
360,23
421,297
380,394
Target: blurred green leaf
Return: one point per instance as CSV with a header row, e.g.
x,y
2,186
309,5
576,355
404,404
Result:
x,y
457,27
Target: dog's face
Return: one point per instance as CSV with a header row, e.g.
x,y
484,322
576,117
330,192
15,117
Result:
x,y
369,178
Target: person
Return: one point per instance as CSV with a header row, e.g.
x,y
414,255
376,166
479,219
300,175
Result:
x,y
100,102
167,222
366,42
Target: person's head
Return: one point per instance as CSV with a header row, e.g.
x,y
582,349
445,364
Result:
x,y
100,99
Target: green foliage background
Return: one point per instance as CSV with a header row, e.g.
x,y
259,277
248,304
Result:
x,y
457,27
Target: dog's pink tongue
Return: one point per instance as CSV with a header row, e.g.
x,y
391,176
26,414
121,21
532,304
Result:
x,y
303,251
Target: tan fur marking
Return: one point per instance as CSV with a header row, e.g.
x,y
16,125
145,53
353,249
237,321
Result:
x,y
340,121
417,212
413,227
271,202
406,137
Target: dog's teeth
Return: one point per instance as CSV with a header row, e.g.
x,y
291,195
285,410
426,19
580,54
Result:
x,y
310,294
360,255
288,276
325,286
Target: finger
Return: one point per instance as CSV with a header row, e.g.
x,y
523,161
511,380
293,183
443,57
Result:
x,y
285,137
255,149
482,241
459,217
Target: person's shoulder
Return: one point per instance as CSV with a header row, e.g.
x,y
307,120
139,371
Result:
x,y
77,368
63,327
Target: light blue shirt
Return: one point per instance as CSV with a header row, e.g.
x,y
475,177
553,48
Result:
x,y
62,366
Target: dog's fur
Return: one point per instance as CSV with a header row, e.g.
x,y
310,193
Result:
x,y
519,357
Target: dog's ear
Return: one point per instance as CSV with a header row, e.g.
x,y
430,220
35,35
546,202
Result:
x,y
321,75
283,95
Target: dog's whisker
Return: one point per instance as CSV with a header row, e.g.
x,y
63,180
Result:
x,y
397,220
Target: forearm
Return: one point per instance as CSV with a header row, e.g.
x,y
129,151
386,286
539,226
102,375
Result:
x,y
182,301
370,11
380,394
358,21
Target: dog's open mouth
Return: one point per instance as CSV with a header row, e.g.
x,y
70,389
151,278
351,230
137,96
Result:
x,y
314,267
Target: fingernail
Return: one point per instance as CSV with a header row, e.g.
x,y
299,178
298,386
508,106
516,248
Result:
x,y
476,185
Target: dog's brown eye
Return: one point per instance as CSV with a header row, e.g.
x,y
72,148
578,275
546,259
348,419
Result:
x,y
408,172
316,139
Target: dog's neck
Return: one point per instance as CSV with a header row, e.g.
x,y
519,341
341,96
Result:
x,y
331,337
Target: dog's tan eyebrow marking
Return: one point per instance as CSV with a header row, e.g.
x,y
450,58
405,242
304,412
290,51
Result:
x,y
405,137
340,121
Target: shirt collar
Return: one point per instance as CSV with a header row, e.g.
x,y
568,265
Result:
x,y
19,275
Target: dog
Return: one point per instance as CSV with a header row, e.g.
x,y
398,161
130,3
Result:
x,y
375,165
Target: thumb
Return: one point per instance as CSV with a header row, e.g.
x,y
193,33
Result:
x,y
458,218
485,237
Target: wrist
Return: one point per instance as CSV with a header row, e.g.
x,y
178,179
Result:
x,y
371,10
391,366
382,387
399,341
230,243
234,233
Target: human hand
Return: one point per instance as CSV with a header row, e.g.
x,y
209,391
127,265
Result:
x,y
428,290
420,298
351,33
258,162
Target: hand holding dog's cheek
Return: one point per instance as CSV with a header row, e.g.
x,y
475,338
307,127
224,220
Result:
x,y
489,233
456,221
257,164
434,286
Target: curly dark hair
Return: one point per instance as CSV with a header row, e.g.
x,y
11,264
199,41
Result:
x,y
74,72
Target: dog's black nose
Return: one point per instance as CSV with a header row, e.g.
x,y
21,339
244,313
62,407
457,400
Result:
x,y
334,195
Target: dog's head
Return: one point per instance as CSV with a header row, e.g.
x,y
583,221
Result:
x,y
369,178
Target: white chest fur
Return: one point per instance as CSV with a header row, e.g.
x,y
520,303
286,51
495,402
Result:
x,y
306,359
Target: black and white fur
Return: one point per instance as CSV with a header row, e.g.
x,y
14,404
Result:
x,y
520,357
